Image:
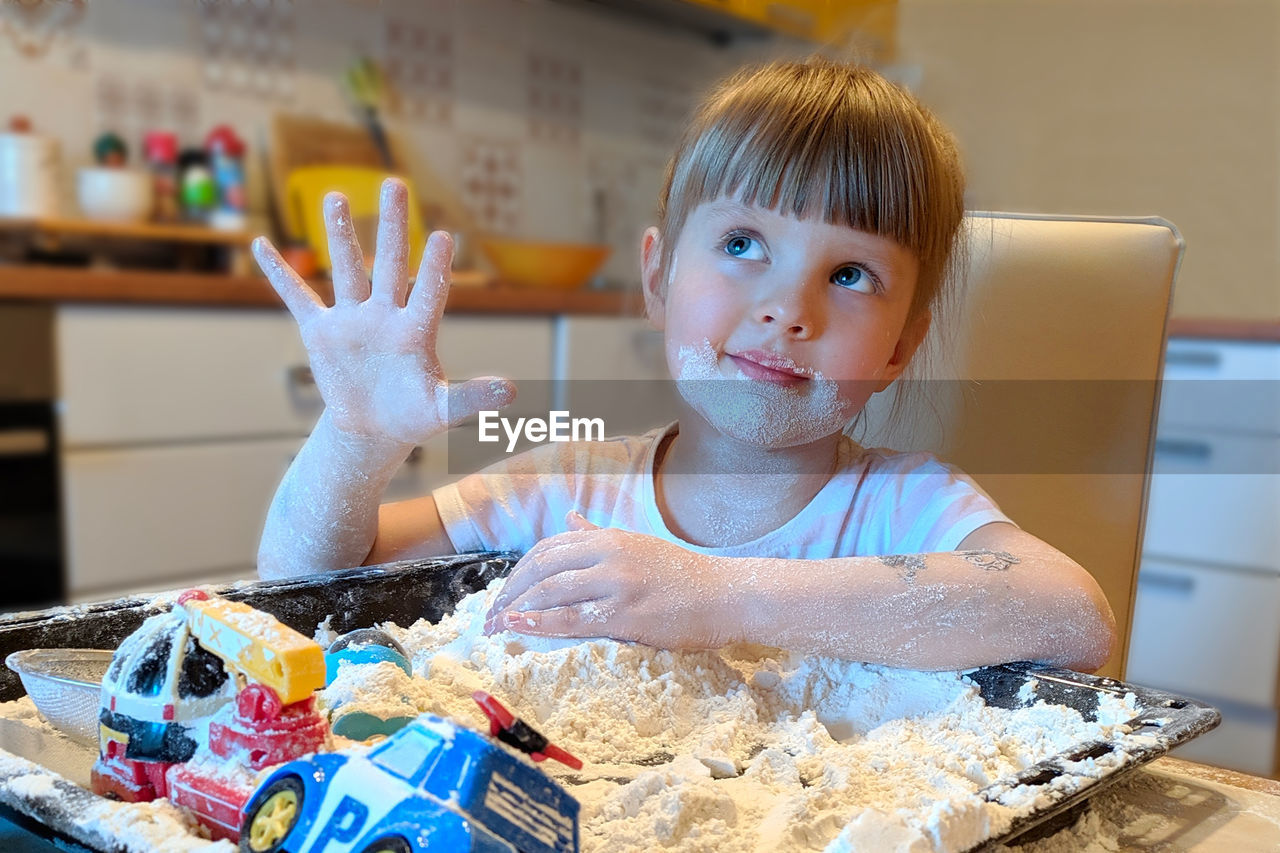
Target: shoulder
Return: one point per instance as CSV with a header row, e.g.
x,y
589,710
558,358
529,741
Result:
x,y
890,466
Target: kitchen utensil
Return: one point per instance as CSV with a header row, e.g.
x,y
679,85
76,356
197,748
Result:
x,y
560,266
363,82
122,195
362,186
29,167
64,685
298,141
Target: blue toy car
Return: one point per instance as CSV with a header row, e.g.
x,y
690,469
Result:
x,y
432,786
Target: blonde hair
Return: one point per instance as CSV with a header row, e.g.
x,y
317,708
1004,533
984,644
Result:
x,y
828,139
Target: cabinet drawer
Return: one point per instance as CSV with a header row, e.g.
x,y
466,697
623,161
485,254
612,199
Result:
x,y
511,347
1215,498
130,375
140,515
1206,632
514,347
616,370
1245,741
1217,385
425,469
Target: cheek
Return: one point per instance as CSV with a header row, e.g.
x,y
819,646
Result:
x,y
705,312
861,354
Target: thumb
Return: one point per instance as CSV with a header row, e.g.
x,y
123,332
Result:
x,y
476,395
577,521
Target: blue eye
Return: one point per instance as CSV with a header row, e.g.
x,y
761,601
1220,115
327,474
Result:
x,y
853,278
743,244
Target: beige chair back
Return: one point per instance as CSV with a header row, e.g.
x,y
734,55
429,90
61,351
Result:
x,y
1042,383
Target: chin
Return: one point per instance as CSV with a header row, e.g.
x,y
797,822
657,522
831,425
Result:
x,y
769,416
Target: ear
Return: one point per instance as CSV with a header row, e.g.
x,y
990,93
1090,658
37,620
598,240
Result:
x,y
652,278
908,342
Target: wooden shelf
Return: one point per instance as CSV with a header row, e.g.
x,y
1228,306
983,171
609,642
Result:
x,y
472,292
149,231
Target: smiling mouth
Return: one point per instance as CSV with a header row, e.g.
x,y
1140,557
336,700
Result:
x,y
776,375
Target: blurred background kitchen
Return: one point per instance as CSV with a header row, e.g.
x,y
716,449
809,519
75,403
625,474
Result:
x,y
152,391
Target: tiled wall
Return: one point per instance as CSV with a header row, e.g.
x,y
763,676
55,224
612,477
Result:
x,y
1121,107
548,121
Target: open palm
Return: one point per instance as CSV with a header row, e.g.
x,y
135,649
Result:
x,y
373,353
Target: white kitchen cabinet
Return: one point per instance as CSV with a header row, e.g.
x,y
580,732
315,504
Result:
x,y
176,425
145,375
1207,631
1207,616
165,514
614,368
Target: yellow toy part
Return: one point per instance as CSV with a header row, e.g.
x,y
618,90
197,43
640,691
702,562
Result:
x,y
306,188
258,646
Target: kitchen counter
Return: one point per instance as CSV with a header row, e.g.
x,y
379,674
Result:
x,y
472,293
1228,329
1169,805
1173,805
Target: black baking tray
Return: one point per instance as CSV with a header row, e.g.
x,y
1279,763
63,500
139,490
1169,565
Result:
x,y
417,589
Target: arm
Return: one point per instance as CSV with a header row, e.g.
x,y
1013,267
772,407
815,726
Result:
x,y
373,357
1005,595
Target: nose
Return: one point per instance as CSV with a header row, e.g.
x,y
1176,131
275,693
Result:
x,y
792,311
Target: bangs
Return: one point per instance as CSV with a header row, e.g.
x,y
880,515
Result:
x,y
821,140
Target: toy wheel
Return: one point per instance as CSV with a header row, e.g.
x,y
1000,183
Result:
x,y
390,844
271,815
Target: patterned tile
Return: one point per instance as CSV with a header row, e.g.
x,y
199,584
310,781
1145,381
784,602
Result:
x,y
492,179
553,98
421,70
248,48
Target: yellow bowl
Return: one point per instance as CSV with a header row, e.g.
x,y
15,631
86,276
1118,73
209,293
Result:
x,y
561,266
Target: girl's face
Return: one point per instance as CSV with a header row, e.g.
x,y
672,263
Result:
x,y
810,318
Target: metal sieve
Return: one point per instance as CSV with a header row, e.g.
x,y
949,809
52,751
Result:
x,y
65,685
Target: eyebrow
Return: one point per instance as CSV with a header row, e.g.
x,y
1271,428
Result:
x,y
730,209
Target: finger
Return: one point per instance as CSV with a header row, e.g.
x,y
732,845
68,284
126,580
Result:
x,y
572,620
559,553
431,287
297,295
390,262
350,282
486,393
575,520
565,588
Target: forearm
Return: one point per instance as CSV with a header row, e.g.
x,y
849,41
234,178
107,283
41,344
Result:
x,y
950,610
325,511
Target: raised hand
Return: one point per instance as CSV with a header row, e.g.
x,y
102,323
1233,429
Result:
x,y
373,353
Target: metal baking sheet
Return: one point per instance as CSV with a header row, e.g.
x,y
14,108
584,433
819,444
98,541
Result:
x,y
405,592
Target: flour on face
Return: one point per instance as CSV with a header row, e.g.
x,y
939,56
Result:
x,y
756,412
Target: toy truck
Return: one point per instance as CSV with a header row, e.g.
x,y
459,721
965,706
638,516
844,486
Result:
x,y
211,662
431,786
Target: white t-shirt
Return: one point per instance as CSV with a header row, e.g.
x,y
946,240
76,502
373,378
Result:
x,y
877,502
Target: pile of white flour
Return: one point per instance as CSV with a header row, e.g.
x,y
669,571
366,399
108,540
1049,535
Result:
x,y
748,749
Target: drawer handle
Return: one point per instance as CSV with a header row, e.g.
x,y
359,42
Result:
x,y
1193,358
300,376
1169,583
23,442
1199,451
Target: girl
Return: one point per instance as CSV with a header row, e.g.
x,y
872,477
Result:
x,y
805,232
